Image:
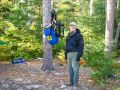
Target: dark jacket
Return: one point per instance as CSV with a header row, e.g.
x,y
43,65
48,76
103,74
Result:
x,y
75,43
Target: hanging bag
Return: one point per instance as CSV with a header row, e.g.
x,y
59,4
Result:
x,y
51,35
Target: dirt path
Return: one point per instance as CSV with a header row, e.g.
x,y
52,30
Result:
x,y
31,77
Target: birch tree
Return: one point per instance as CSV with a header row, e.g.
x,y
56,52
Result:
x,y
109,26
91,7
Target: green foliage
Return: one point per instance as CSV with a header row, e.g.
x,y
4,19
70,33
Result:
x,y
20,28
101,64
20,42
59,47
5,6
116,65
5,52
99,9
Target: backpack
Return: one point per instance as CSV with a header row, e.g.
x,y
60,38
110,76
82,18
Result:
x,y
51,35
55,30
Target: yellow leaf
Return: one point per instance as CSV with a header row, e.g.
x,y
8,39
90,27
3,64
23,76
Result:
x,y
32,27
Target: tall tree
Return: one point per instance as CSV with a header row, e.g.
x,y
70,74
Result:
x,y
117,36
91,7
109,26
117,22
47,62
118,4
118,9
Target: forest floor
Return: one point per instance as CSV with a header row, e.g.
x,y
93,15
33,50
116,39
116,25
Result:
x,y
30,77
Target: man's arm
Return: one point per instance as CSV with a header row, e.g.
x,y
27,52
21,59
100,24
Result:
x,y
80,47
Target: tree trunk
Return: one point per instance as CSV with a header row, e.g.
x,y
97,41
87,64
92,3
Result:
x,y
118,8
118,4
91,7
117,35
109,26
47,63
52,2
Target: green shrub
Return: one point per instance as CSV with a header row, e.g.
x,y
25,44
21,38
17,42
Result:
x,y
20,43
59,47
4,52
101,64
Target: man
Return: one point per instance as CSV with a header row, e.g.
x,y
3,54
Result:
x,y
73,52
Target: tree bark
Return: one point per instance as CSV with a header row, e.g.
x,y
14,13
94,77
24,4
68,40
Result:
x,y
91,7
118,8
109,26
118,4
47,62
52,2
117,35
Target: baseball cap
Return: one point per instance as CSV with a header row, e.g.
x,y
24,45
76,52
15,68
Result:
x,y
73,24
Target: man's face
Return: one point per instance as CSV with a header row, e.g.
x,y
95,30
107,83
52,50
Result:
x,y
72,28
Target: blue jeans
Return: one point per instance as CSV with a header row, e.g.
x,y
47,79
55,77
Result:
x,y
73,67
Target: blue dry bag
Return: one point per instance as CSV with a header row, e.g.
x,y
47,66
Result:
x,y
51,35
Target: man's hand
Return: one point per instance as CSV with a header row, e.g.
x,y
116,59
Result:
x,y
78,57
65,56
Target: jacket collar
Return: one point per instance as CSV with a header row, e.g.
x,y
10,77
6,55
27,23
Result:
x,y
70,34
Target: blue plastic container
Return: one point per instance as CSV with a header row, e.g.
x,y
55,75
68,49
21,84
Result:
x,y
18,61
